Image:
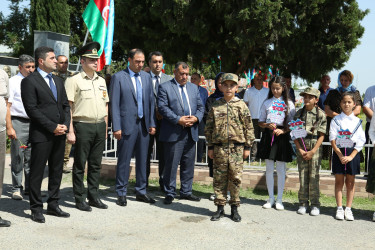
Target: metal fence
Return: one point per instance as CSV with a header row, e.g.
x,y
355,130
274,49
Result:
x,y
111,152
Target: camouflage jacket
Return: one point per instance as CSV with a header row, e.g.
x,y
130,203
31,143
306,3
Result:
x,y
314,122
64,76
229,123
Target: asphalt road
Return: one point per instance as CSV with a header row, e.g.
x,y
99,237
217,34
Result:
x,y
182,225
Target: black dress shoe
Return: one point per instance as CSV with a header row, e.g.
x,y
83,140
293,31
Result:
x,y
168,200
97,203
83,206
38,217
4,223
56,211
145,198
121,201
190,197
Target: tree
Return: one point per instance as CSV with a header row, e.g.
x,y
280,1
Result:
x,y
305,38
50,15
14,30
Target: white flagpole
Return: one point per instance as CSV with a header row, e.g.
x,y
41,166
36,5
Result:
x,y
84,43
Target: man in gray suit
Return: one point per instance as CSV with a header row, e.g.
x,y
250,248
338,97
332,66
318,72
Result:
x,y
155,61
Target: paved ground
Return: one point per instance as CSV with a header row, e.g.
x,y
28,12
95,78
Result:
x,y
182,225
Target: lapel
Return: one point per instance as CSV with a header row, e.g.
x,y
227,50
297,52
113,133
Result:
x,y
175,87
190,92
43,84
128,80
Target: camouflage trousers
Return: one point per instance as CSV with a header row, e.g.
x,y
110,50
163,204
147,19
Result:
x,y
309,176
228,167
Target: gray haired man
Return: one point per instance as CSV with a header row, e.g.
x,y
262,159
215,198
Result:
x,y
18,123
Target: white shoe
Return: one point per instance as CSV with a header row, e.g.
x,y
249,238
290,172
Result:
x,y
212,197
17,196
373,217
269,204
301,210
279,205
314,211
340,214
349,215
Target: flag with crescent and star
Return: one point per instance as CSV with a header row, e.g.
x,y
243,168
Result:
x,y
99,17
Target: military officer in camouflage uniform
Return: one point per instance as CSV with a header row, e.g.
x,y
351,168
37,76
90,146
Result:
x,y
88,98
63,72
229,133
309,161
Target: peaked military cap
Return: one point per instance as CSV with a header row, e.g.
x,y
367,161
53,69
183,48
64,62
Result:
x,y
90,50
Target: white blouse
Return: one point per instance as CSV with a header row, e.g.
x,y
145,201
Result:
x,y
348,122
267,107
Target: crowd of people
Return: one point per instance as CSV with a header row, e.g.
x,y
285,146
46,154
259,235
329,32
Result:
x,y
45,109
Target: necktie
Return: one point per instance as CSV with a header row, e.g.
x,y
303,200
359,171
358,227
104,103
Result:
x,y
52,86
139,96
184,101
157,82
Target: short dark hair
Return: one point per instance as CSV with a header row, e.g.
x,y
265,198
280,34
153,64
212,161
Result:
x,y
57,57
196,74
42,52
25,59
155,53
183,64
133,52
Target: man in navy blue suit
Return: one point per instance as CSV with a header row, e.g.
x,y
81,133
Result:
x,y
180,105
133,119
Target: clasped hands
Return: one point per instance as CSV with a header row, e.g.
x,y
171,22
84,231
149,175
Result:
x,y
60,130
118,133
276,130
187,120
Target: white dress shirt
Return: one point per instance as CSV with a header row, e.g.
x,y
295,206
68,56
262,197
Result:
x,y
369,99
267,107
348,122
254,99
15,99
44,75
186,94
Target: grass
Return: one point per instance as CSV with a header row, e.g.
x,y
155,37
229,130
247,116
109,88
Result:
x,y
205,191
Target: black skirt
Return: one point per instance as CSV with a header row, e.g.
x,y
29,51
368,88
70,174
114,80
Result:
x,y
352,167
281,149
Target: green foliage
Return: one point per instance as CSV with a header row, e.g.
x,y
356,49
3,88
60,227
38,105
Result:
x,y
14,32
305,38
50,15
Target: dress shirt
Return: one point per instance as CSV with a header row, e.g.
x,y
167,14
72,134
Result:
x,y
323,97
131,73
254,99
348,122
44,75
186,94
154,78
369,100
267,107
17,108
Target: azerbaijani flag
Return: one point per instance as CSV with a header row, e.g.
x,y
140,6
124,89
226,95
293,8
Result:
x,y
99,17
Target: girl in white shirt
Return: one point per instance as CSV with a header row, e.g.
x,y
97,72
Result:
x,y
344,128
274,146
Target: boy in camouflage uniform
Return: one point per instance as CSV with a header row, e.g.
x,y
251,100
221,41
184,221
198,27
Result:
x,y
309,162
229,133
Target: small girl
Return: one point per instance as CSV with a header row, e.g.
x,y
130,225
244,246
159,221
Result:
x,y
347,139
277,110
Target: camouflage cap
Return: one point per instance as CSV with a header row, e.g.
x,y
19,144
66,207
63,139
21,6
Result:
x,y
229,77
311,91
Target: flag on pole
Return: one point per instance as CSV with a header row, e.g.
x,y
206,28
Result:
x,y
99,18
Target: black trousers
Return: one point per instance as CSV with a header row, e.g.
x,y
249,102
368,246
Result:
x,y
41,152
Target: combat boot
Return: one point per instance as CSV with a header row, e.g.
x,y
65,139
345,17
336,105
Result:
x,y
234,215
218,214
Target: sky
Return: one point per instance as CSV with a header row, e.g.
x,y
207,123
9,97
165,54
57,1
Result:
x,y
361,61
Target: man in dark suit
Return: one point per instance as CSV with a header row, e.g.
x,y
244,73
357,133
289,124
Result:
x,y
44,98
133,105
181,107
155,61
